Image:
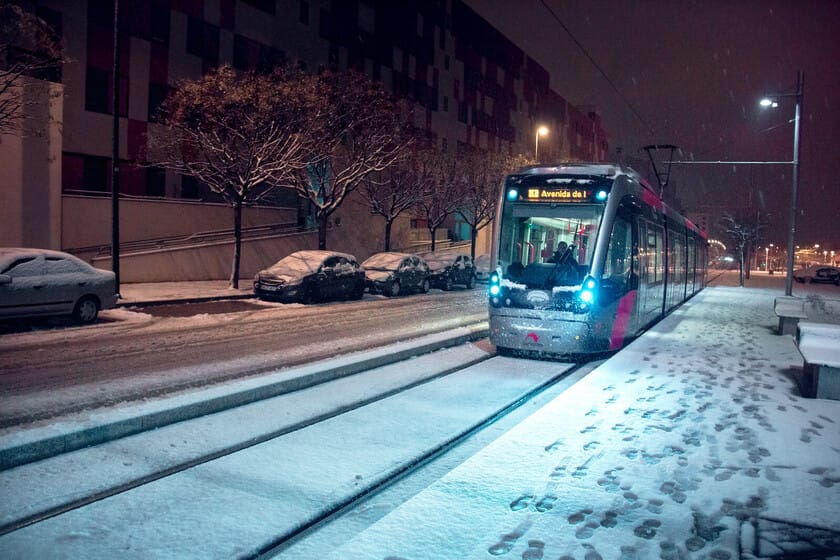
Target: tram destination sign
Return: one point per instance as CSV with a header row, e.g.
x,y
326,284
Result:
x,y
564,194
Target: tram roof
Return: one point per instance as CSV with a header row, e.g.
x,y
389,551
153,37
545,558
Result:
x,y
609,170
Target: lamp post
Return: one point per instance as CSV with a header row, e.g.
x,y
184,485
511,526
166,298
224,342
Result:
x,y
541,131
771,101
766,256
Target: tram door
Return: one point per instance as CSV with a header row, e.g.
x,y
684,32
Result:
x,y
651,272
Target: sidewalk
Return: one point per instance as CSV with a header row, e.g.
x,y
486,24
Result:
x,y
182,292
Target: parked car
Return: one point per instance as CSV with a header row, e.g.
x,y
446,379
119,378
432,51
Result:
x,y
395,273
818,274
448,270
42,282
482,268
310,276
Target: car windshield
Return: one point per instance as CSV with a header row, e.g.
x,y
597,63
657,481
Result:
x,y
298,263
384,261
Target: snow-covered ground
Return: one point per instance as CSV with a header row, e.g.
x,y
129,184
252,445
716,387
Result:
x,y
693,442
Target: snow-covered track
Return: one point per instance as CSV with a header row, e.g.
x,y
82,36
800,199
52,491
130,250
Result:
x,y
313,459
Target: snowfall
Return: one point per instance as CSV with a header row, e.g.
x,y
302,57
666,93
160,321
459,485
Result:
x,y
692,442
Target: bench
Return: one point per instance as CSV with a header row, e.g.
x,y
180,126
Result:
x,y
789,310
819,344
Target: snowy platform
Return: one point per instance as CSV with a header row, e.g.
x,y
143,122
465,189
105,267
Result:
x,y
667,450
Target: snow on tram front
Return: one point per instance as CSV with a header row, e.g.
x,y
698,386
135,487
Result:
x,y
587,256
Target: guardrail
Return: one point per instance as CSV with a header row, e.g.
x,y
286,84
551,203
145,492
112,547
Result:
x,y
197,238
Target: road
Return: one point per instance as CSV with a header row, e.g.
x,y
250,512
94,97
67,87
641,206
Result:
x,y
133,354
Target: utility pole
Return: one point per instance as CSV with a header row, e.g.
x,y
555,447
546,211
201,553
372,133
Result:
x,y
115,154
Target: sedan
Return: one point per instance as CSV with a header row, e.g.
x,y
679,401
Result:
x,y
818,274
42,282
310,276
482,268
395,273
447,270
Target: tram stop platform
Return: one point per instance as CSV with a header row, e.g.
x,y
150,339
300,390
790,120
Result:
x,y
695,441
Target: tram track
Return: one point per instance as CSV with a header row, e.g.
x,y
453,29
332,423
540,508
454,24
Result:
x,y
229,449
316,519
403,471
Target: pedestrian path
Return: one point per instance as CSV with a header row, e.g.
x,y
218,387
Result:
x,y
693,442
198,290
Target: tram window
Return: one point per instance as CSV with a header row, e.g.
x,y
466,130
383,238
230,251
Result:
x,y
655,261
619,253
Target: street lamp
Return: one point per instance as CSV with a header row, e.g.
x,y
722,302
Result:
x,y
541,131
766,256
771,100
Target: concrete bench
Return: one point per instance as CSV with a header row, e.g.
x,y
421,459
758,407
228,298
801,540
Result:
x,y
819,344
789,310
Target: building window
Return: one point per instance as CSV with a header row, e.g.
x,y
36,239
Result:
x,y
101,13
303,14
445,104
156,182
159,22
95,176
157,93
99,92
190,187
266,6
366,19
203,40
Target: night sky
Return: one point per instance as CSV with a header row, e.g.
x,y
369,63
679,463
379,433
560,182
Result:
x,y
690,73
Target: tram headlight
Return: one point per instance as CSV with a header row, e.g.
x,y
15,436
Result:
x,y
586,295
601,195
512,194
494,284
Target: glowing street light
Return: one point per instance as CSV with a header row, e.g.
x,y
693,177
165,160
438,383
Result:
x,y
771,100
541,131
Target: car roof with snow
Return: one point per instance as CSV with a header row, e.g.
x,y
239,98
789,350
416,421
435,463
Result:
x,y
387,260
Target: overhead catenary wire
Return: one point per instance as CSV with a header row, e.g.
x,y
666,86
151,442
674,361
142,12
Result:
x,y
598,67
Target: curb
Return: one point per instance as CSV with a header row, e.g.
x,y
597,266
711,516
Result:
x,y
176,301
43,443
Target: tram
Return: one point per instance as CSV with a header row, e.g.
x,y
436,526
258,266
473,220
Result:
x,y
587,256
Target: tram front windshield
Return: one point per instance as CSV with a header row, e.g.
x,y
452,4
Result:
x,y
547,245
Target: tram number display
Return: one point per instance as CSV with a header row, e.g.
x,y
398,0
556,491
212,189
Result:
x,y
559,195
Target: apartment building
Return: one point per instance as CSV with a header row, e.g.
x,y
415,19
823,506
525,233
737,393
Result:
x,y
471,85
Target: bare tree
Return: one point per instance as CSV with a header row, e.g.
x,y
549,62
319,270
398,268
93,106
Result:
x,y
481,174
359,129
743,232
240,134
443,196
28,47
399,188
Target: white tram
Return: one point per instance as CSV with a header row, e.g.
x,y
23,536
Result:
x,y
625,259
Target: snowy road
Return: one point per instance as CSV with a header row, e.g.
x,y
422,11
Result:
x,y
306,456
132,355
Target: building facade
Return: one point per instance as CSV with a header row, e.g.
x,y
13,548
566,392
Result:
x,y
470,84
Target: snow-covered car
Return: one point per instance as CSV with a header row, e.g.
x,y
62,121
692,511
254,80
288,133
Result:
x,y
310,276
43,282
448,270
482,267
392,273
818,274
